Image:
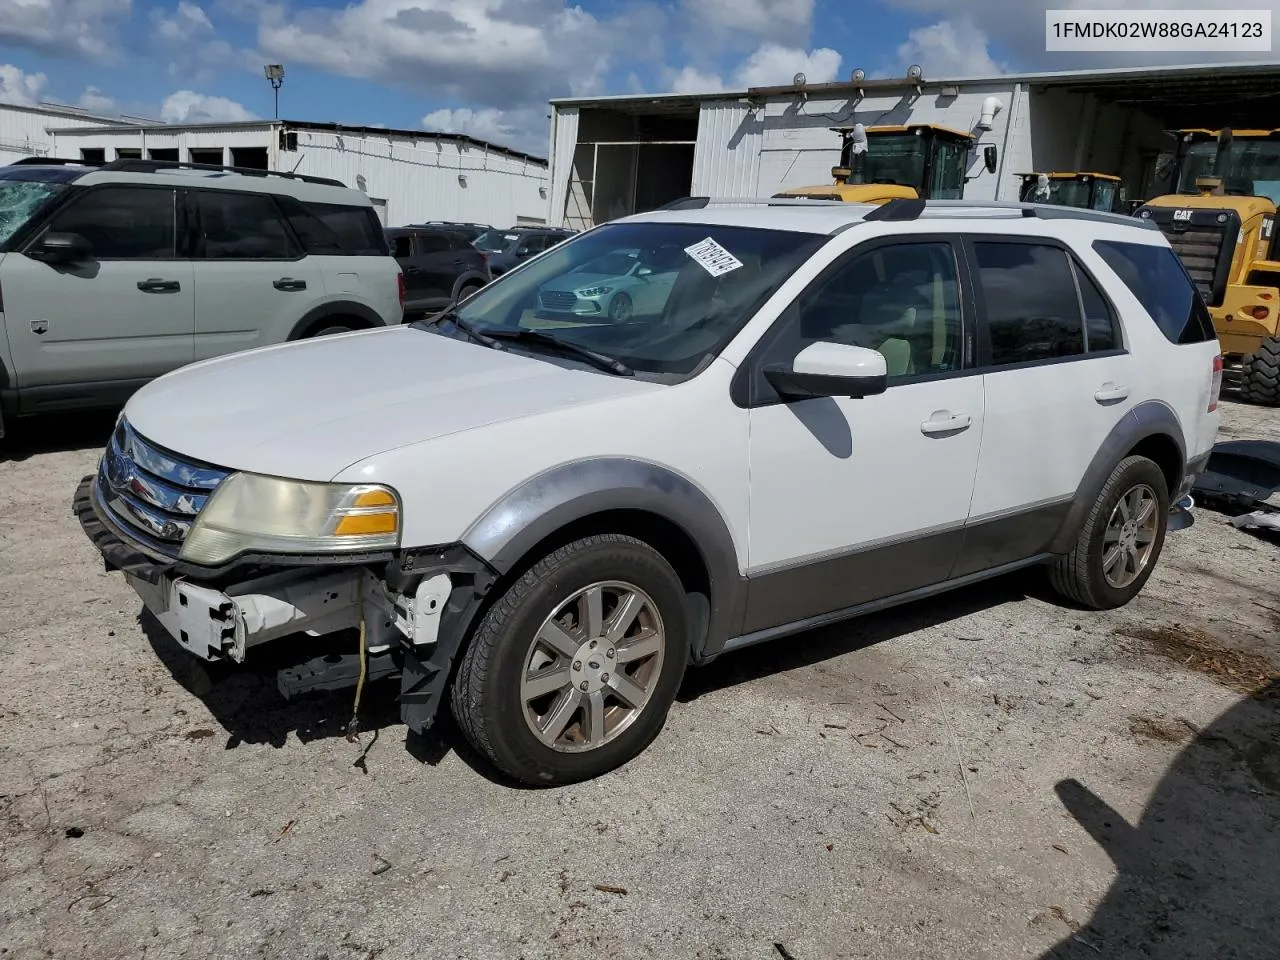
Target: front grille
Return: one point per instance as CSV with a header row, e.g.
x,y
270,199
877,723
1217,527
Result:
x,y
1200,248
151,492
559,299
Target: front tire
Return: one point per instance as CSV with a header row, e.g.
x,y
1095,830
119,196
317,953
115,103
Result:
x,y
621,308
1120,541
572,671
1260,374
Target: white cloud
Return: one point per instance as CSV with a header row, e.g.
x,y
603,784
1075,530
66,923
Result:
x,y
186,22
521,129
950,48
487,51
772,65
1017,27
187,106
19,87
83,28
486,124
691,80
95,100
787,21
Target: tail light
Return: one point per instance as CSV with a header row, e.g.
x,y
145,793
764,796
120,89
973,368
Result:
x,y
400,287
1215,384
1258,312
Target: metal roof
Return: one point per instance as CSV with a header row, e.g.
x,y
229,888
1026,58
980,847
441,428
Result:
x,y
1170,81
68,112
163,128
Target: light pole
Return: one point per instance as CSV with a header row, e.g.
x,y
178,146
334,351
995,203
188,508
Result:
x,y
275,74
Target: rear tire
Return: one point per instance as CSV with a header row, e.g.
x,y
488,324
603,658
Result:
x,y
1260,374
553,689
328,328
469,290
1119,543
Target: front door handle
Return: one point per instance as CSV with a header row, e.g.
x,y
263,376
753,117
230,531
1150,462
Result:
x,y
460,263
288,283
156,285
944,421
1111,393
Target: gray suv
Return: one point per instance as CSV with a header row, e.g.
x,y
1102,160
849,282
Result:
x,y
111,275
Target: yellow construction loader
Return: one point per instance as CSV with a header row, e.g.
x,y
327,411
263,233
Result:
x,y
1222,224
878,164
1088,191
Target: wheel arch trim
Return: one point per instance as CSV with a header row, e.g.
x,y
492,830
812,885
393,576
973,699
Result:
x,y
548,502
1147,420
336,308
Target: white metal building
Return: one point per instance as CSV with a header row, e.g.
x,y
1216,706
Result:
x,y
611,156
25,131
411,176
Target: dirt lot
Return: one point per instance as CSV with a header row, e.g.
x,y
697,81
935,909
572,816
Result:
x,y
985,775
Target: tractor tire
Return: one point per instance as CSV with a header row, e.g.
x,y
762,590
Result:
x,y
1260,374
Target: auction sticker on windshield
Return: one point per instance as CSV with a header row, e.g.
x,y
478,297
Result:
x,y
713,258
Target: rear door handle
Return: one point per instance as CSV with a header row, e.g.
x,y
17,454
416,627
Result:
x,y
1111,393
460,262
946,422
288,283
156,285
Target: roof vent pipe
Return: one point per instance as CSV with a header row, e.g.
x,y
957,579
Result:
x,y
990,107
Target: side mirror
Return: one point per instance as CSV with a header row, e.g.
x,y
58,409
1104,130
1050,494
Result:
x,y
989,157
830,370
60,248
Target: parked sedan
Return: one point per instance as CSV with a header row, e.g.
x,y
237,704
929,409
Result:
x,y
618,286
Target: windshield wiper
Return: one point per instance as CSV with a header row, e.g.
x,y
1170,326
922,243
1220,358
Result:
x,y
601,360
451,314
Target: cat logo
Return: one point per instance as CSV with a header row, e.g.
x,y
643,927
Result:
x,y
1182,214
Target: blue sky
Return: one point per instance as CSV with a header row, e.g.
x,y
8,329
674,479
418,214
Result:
x,y
487,67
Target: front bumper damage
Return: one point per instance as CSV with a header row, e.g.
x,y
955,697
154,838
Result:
x,y
416,608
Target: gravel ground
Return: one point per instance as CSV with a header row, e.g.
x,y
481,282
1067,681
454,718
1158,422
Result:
x,y
988,774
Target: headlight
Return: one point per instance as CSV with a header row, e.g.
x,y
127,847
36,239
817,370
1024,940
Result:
x,y
249,512
590,292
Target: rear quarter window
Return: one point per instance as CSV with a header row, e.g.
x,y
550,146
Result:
x,y
1158,280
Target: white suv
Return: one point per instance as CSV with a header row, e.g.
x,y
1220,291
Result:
x,y
836,408
111,275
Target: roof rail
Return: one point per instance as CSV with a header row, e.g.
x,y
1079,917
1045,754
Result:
x,y
902,210
699,203
54,162
133,165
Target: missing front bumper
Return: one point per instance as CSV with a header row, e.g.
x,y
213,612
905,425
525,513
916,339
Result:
x,y
219,625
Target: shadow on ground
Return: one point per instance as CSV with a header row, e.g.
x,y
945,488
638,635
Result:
x,y
1199,874
56,433
826,643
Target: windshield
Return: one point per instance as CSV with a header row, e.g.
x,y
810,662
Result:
x,y
495,241
893,158
19,200
702,283
1063,193
1253,169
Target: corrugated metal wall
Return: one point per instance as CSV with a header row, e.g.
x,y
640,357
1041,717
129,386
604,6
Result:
x,y
726,158
23,131
411,180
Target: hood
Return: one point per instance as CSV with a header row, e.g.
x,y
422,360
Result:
x,y
308,410
580,281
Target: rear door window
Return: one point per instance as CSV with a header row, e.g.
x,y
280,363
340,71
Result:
x,y
1156,277
333,229
1030,301
241,226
